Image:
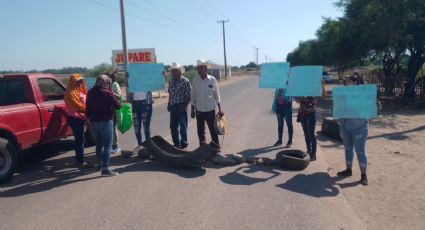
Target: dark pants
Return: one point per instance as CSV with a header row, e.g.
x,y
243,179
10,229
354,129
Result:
x,y
103,132
209,117
142,114
178,122
77,126
284,113
309,124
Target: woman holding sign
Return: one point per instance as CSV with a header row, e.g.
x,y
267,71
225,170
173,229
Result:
x,y
282,106
307,117
354,133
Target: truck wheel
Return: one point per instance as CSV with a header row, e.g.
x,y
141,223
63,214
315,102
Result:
x,y
89,138
8,160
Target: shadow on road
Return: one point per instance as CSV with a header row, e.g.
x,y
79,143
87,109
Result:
x,y
38,172
316,185
240,175
255,152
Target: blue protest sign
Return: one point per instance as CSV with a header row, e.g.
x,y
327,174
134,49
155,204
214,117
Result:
x,y
90,81
145,77
274,75
305,81
357,101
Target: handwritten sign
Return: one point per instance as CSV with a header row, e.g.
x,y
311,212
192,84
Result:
x,y
145,77
357,101
274,75
90,81
305,81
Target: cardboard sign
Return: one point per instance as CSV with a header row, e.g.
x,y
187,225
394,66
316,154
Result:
x,y
90,81
305,81
273,75
357,101
145,77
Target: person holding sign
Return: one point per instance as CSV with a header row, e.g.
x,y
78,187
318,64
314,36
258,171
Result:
x,y
204,99
179,98
307,116
354,132
142,114
282,106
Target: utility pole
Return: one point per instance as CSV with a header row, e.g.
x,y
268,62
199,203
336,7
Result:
x,y
124,49
224,46
256,56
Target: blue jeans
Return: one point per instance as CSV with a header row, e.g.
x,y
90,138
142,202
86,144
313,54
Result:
x,y
178,122
103,132
142,114
77,126
284,113
355,139
309,125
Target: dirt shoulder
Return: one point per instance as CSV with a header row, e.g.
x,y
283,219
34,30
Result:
x,y
395,197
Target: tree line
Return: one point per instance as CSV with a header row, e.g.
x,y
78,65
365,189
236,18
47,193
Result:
x,y
389,33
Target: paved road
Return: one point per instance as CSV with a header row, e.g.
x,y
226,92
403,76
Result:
x,y
47,194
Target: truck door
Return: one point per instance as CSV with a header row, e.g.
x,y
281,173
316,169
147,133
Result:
x,y
18,112
52,110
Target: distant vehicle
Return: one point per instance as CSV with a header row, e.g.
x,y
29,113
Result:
x,y
32,113
327,77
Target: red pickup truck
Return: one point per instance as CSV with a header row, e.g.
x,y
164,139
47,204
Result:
x,y
31,114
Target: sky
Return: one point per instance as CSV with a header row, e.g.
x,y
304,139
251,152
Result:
x,y
43,34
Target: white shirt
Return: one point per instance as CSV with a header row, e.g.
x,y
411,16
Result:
x,y
139,96
205,94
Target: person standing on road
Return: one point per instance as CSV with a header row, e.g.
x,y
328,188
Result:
x,y
354,132
282,106
179,90
116,89
142,114
205,97
307,117
75,106
101,106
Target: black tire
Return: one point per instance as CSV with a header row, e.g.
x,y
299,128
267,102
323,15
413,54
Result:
x,y
166,153
293,159
89,139
8,160
330,128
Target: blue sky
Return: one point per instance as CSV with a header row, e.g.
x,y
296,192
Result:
x,y
41,34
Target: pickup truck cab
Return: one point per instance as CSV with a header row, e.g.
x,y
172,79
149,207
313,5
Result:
x,y
32,113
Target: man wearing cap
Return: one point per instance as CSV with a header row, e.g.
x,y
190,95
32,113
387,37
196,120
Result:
x,y
179,98
205,97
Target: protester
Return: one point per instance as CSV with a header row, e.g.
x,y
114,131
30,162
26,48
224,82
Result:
x,y
179,98
282,106
116,89
307,117
142,114
101,106
75,104
354,132
205,97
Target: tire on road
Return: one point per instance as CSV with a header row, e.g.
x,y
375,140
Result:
x,y
293,159
8,160
330,128
166,153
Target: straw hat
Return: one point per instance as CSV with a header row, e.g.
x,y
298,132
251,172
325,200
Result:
x,y
176,65
201,62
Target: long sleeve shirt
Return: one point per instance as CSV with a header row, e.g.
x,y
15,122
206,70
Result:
x,y
101,104
205,94
179,91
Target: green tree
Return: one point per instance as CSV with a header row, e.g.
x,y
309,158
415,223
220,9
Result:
x,y
99,69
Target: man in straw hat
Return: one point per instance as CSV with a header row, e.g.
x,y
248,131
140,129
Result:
x,y
179,98
205,97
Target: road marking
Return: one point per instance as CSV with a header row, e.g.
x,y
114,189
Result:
x,y
246,90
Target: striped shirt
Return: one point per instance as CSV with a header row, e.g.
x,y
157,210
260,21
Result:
x,y
205,94
179,91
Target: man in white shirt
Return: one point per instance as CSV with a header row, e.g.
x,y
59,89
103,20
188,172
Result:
x,y
204,99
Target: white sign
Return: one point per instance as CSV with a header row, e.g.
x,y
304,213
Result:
x,y
135,56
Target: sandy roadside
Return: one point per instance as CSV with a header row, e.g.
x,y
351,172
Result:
x,y
395,197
